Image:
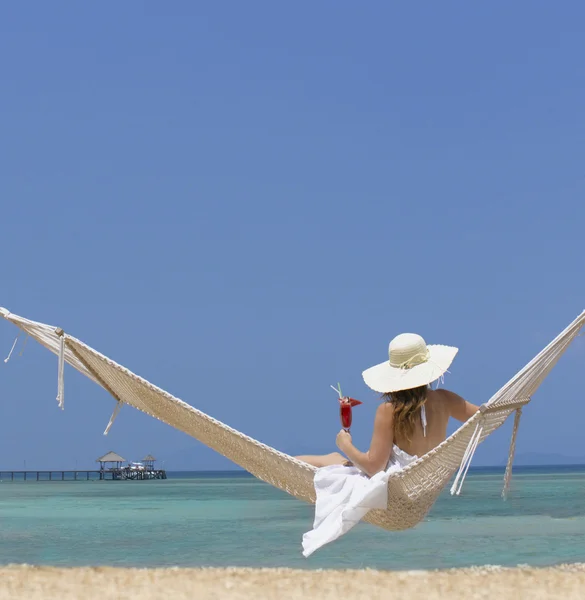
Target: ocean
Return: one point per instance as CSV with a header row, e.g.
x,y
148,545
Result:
x,y
232,519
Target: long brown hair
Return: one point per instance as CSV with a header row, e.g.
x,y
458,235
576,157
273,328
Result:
x,y
407,405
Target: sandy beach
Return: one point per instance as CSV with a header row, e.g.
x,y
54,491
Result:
x,y
107,583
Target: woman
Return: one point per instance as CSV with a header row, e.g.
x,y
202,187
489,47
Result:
x,y
410,422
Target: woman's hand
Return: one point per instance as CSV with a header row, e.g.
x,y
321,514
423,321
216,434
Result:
x,y
343,440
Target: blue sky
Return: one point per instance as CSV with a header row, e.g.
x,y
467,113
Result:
x,y
244,202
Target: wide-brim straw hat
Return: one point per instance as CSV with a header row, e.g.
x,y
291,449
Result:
x,y
411,364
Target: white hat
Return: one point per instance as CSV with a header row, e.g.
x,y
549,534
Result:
x,y
412,364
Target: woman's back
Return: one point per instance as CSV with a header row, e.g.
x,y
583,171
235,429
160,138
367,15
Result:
x,y
439,407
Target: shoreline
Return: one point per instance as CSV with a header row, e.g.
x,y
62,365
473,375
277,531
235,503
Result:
x,y
108,583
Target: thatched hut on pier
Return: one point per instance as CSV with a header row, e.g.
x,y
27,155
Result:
x,y
149,461
112,459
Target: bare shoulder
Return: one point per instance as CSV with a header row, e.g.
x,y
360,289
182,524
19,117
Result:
x,y
447,396
440,400
385,411
457,406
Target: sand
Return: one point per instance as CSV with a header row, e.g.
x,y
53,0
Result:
x,y
106,583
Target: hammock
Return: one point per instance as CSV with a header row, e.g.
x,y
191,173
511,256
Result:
x,y
411,492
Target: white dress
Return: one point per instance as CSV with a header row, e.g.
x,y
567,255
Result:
x,y
346,494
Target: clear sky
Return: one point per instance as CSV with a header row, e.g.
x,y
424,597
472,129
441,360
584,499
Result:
x,y
244,201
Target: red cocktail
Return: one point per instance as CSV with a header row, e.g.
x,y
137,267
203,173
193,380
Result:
x,y
345,408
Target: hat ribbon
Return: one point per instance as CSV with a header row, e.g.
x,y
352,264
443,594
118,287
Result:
x,y
413,361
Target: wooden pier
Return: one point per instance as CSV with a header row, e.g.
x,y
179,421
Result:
x,y
140,471
101,475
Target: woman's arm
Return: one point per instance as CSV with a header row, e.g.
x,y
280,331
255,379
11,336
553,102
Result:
x,y
376,458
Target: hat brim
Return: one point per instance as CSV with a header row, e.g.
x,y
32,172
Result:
x,y
384,378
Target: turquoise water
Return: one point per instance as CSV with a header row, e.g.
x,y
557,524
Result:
x,y
232,519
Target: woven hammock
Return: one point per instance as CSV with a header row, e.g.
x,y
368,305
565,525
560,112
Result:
x,y
411,492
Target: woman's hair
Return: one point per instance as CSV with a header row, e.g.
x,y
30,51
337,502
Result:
x,y
407,405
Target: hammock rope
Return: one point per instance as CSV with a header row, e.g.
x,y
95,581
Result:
x,y
12,349
467,458
61,370
411,492
508,474
113,417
